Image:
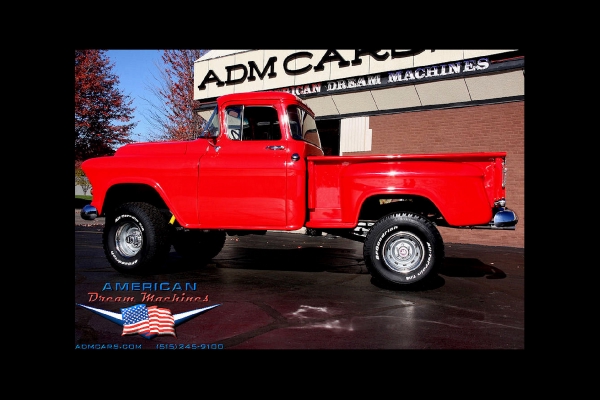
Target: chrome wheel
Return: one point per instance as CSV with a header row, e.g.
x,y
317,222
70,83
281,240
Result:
x,y
403,252
128,239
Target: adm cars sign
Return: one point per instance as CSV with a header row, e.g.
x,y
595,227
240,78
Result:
x,y
303,63
269,68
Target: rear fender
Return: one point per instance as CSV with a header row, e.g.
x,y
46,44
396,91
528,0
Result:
x,y
455,189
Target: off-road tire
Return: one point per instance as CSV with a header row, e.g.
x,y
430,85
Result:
x,y
403,248
198,246
136,238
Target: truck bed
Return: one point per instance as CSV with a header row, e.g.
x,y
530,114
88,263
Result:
x,y
463,186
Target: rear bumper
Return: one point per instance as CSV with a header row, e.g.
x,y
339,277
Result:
x,y
503,218
89,212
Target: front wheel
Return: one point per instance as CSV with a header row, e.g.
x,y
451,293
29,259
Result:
x,y
403,248
136,238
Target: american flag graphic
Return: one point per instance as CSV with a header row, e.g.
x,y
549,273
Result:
x,y
147,321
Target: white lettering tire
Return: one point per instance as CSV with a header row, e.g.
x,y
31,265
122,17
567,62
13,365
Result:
x,y
403,249
136,238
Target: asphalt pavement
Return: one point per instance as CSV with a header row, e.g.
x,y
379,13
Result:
x,y
291,291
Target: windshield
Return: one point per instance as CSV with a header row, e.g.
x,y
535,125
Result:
x,y
211,128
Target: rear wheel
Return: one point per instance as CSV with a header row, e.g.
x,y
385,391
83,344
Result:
x,y
135,238
199,246
403,248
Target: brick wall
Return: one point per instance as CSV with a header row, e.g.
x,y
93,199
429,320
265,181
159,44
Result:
x,y
497,127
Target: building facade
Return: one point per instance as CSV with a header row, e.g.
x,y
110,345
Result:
x,y
395,102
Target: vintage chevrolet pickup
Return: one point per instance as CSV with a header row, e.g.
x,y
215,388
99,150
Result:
x,y
258,165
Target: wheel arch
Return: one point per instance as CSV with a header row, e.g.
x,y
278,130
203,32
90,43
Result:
x,y
377,205
132,192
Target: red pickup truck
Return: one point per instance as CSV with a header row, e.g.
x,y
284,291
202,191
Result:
x,y
258,165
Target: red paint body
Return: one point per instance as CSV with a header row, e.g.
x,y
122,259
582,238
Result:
x,y
220,183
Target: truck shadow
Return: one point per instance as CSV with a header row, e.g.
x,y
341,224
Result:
x,y
469,267
452,267
305,259
333,260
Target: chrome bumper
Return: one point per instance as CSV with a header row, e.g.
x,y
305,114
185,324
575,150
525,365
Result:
x,y
503,218
89,212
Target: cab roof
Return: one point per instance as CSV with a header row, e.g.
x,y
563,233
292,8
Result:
x,y
270,96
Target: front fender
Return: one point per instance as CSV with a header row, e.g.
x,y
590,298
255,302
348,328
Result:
x,y
172,176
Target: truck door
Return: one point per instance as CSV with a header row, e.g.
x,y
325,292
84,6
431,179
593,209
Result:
x,y
242,179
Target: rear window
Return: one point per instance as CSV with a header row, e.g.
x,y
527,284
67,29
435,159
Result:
x,y
303,125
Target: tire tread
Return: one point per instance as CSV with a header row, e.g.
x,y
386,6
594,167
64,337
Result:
x,y
403,216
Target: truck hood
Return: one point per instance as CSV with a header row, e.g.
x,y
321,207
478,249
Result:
x,y
162,148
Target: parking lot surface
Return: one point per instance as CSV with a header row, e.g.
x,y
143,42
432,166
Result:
x,y
284,291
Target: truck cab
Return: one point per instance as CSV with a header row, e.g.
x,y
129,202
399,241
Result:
x,y
253,174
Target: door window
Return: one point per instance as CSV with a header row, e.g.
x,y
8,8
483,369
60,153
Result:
x,y
252,123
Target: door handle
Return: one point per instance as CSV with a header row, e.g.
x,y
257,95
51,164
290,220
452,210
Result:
x,y
275,147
